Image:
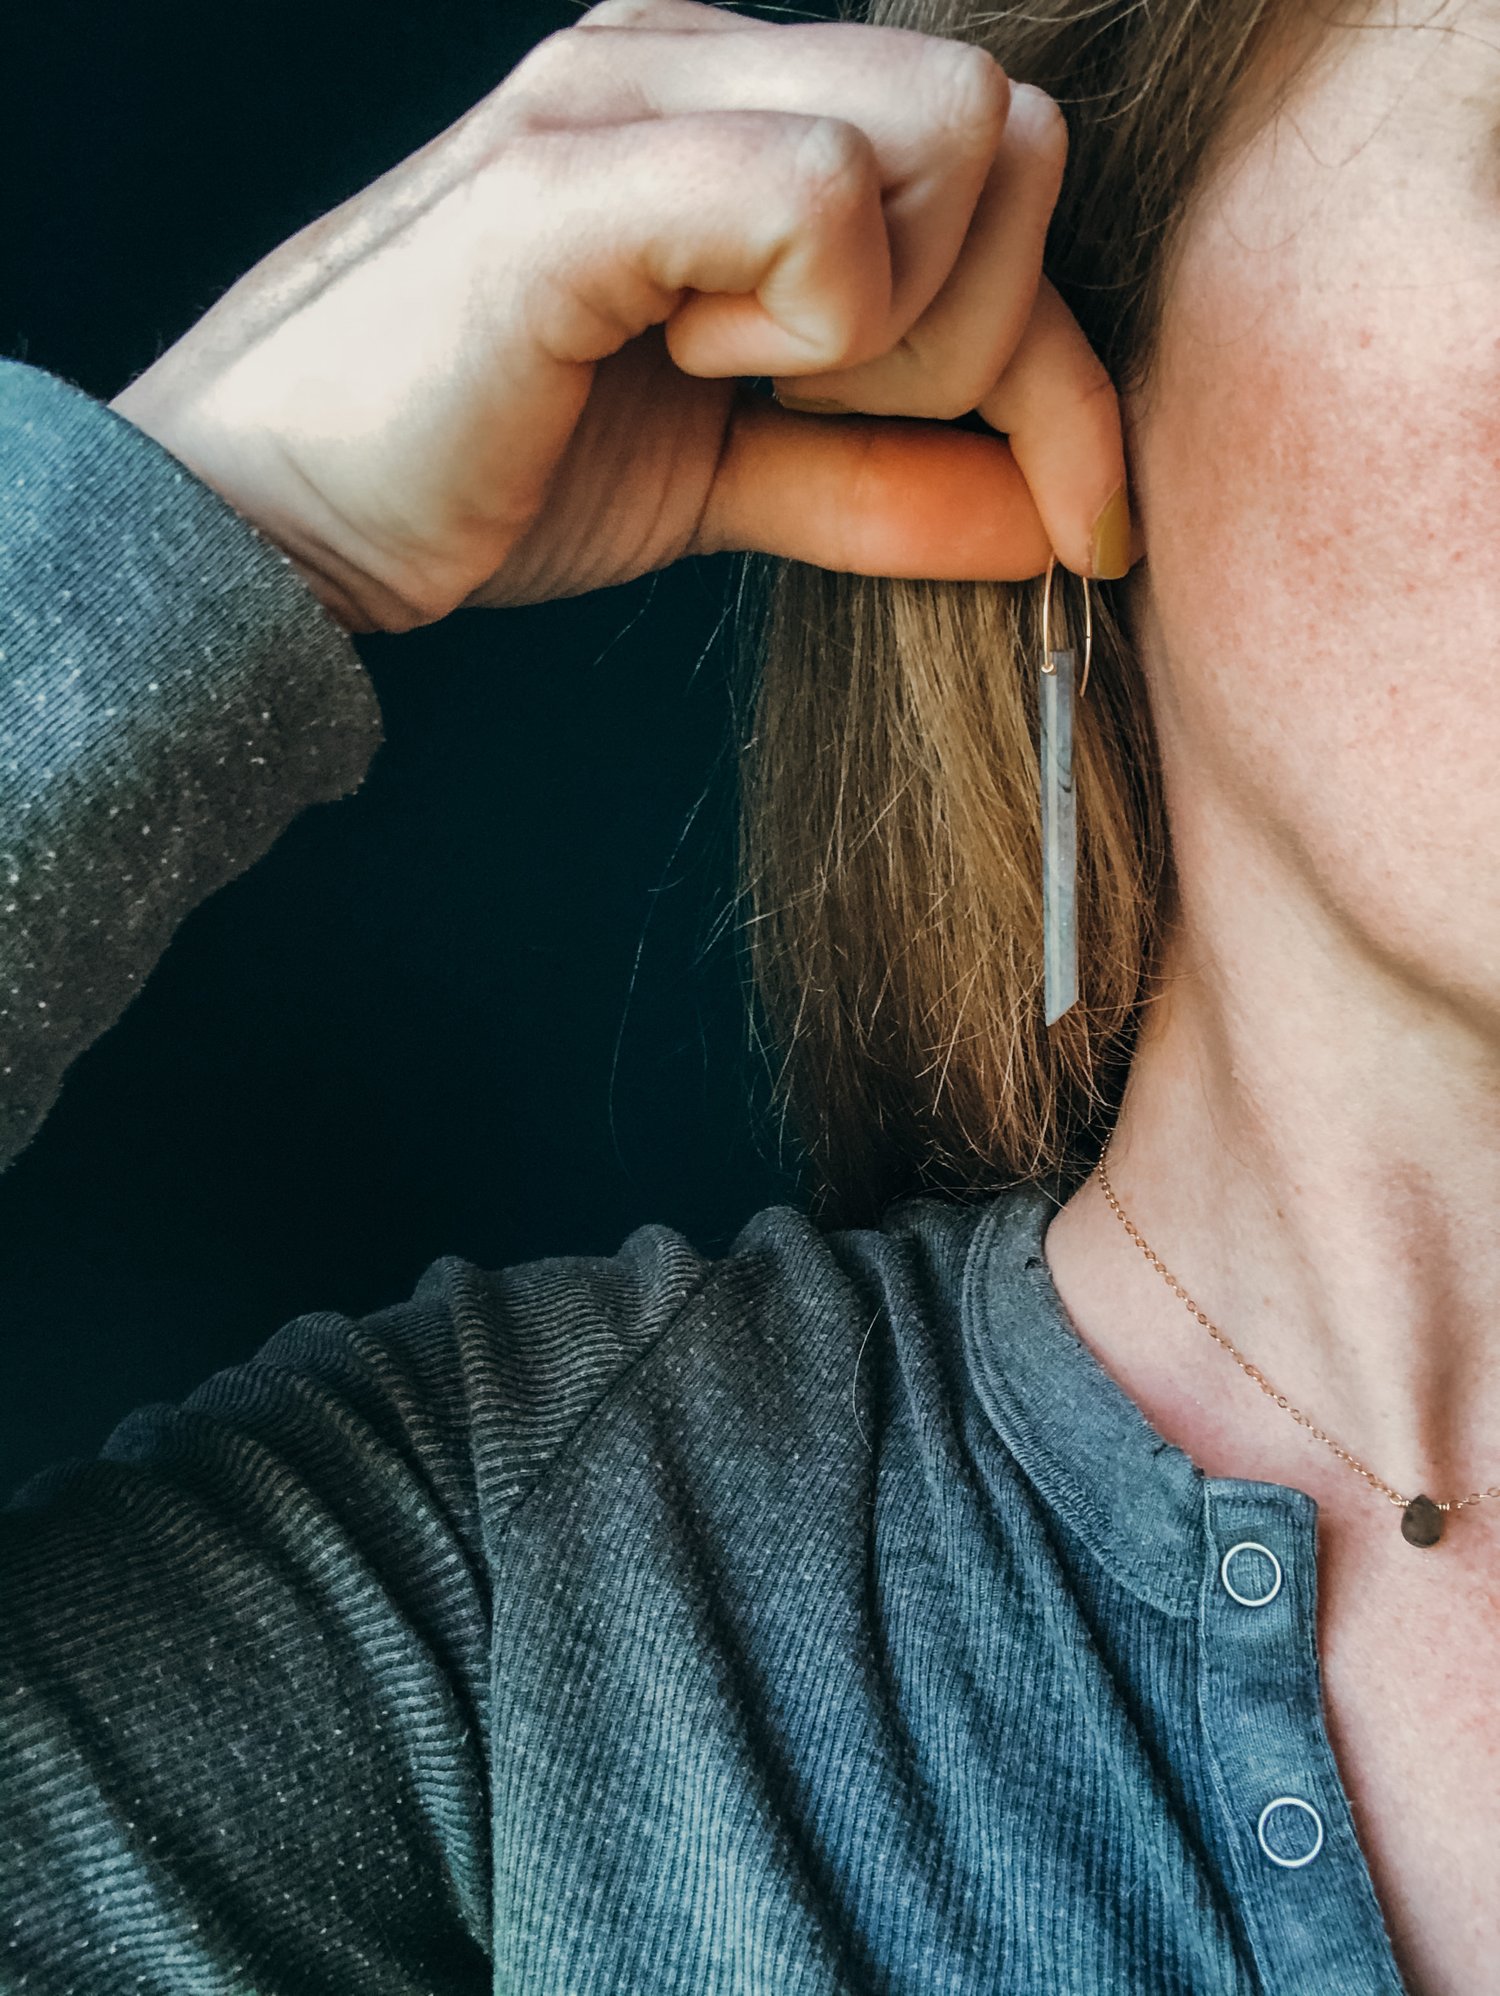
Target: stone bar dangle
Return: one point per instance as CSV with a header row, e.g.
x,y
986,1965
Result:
x,y
1059,836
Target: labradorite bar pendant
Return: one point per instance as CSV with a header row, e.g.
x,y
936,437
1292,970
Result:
x,y
1059,837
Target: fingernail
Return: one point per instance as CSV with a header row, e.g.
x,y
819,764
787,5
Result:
x,y
816,405
1109,555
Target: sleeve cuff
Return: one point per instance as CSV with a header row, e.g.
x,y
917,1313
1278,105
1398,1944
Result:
x,y
172,694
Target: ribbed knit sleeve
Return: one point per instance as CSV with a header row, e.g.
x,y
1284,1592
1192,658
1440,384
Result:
x,y
171,696
245,1654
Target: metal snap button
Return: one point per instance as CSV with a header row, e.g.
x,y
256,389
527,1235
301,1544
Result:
x,y
1250,1600
1290,1802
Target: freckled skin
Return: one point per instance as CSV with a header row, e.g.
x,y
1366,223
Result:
x,y
1317,476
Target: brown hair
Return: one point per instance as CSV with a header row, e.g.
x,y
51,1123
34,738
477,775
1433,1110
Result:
x,y
890,813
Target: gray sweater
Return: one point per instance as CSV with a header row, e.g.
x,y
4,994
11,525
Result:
x,y
817,1620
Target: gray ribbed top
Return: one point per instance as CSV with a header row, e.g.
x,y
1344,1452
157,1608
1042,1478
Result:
x,y
817,1620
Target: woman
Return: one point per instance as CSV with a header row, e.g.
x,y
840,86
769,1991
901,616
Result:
x,y
922,1602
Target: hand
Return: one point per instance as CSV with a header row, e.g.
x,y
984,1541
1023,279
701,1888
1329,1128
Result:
x,y
515,366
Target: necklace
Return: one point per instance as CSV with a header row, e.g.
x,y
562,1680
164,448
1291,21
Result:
x,y
1421,1518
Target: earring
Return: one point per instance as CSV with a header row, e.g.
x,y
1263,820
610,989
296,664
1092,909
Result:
x,y
1059,806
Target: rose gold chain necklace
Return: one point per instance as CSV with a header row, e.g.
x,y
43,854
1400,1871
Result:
x,y
1421,1518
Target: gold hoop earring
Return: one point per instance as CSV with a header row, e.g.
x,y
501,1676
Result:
x,y
1059,806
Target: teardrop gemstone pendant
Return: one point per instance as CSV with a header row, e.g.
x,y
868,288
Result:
x,y
1421,1522
1059,836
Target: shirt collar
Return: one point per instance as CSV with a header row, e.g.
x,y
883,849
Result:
x,y
1135,1498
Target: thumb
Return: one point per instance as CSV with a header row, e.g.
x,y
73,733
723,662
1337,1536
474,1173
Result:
x,y
872,495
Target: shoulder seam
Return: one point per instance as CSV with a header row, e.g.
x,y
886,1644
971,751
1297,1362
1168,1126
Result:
x,y
565,1446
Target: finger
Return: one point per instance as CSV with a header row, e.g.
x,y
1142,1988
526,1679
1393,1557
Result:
x,y
932,110
993,337
870,497
755,238
956,351
1058,409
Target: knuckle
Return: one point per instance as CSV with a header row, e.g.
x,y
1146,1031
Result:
x,y
1095,382
968,90
953,406
830,154
927,383
933,408
558,52
1046,123
941,401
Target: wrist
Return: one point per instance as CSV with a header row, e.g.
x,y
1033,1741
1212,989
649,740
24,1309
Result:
x,y
250,499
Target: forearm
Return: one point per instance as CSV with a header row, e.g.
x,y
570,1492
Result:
x,y
171,696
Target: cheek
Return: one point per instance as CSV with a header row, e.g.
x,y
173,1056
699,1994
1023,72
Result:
x,y
1318,476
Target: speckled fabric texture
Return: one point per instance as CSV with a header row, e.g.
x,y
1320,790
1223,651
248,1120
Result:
x,y
821,1619
171,695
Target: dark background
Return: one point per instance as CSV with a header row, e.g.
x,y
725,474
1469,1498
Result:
x,y
493,1004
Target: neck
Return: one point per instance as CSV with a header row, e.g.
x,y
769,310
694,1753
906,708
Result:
x,y
1310,1141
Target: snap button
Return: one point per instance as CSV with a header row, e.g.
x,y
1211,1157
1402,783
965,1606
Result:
x,y
1279,1857
1250,1600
